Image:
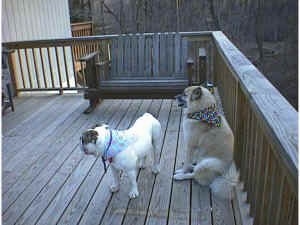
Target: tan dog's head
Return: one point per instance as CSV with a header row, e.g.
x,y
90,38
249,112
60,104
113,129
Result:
x,y
90,138
195,98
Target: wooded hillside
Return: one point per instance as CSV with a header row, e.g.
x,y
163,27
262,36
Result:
x,y
266,31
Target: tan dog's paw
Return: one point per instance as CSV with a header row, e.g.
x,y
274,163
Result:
x,y
133,194
179,171
179,176
183,176
114,188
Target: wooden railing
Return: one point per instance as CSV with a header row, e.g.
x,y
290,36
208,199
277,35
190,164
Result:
x,y
49,65
266,135
54,65
82,29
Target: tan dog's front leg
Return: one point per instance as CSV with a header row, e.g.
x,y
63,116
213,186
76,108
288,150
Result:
x,y
187,166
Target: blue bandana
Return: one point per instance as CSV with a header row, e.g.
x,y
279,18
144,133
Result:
x,y
118,142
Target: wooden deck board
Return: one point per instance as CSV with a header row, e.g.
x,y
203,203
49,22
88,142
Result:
x,y
25,108
119,201
181,192
137,208
11,193
160,199
60,185
36,129
103,194
65,150
26,153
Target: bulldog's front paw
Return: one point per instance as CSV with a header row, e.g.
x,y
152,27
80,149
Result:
x,y
133,194
155,169
114,188
142,163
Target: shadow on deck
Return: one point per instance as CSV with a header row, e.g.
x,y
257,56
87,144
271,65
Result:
x,y
48,180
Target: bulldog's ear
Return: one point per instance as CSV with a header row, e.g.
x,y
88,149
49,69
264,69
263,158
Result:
x,y
105,126
93,133
100,125
196,94
96,125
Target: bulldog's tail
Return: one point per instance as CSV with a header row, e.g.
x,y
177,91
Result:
x,y
222,186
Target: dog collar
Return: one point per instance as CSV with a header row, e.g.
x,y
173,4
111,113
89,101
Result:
x,y
104,155
208,115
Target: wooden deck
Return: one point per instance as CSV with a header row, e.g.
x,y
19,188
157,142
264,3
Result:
x,y
46,179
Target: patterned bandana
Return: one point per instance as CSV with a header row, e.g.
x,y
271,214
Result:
x,y
208,115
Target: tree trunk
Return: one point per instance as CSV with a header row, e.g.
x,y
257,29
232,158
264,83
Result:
x,y
177,16
137,15
259,29
213,15
102,16
122,18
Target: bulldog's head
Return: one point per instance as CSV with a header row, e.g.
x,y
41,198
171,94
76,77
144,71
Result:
x,y
90,139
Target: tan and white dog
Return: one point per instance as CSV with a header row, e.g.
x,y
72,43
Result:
x,y
208,141
126,150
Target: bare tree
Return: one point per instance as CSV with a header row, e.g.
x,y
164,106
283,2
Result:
x,y
111,12
259,29
177,16
214,15
122,18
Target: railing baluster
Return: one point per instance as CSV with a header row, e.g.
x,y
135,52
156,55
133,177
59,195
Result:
x,y
36,68
66,66
21,68
12,69
82,66
59,71
43,68
257,168
276,194
28,68
250,158
50,67
73,63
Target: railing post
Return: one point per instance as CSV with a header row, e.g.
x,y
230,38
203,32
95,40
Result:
x,y
190,70
202,65
12,70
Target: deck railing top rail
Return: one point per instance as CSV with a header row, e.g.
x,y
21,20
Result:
x,y
64,41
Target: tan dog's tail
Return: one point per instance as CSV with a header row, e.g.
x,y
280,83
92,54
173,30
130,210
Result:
x,y
222,186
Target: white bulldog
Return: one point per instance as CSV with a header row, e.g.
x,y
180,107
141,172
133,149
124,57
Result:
x,y
126,150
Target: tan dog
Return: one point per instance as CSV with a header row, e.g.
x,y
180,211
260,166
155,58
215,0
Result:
x,y
208,142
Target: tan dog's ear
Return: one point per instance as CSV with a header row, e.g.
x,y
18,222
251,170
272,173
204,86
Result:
x,y
196,94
